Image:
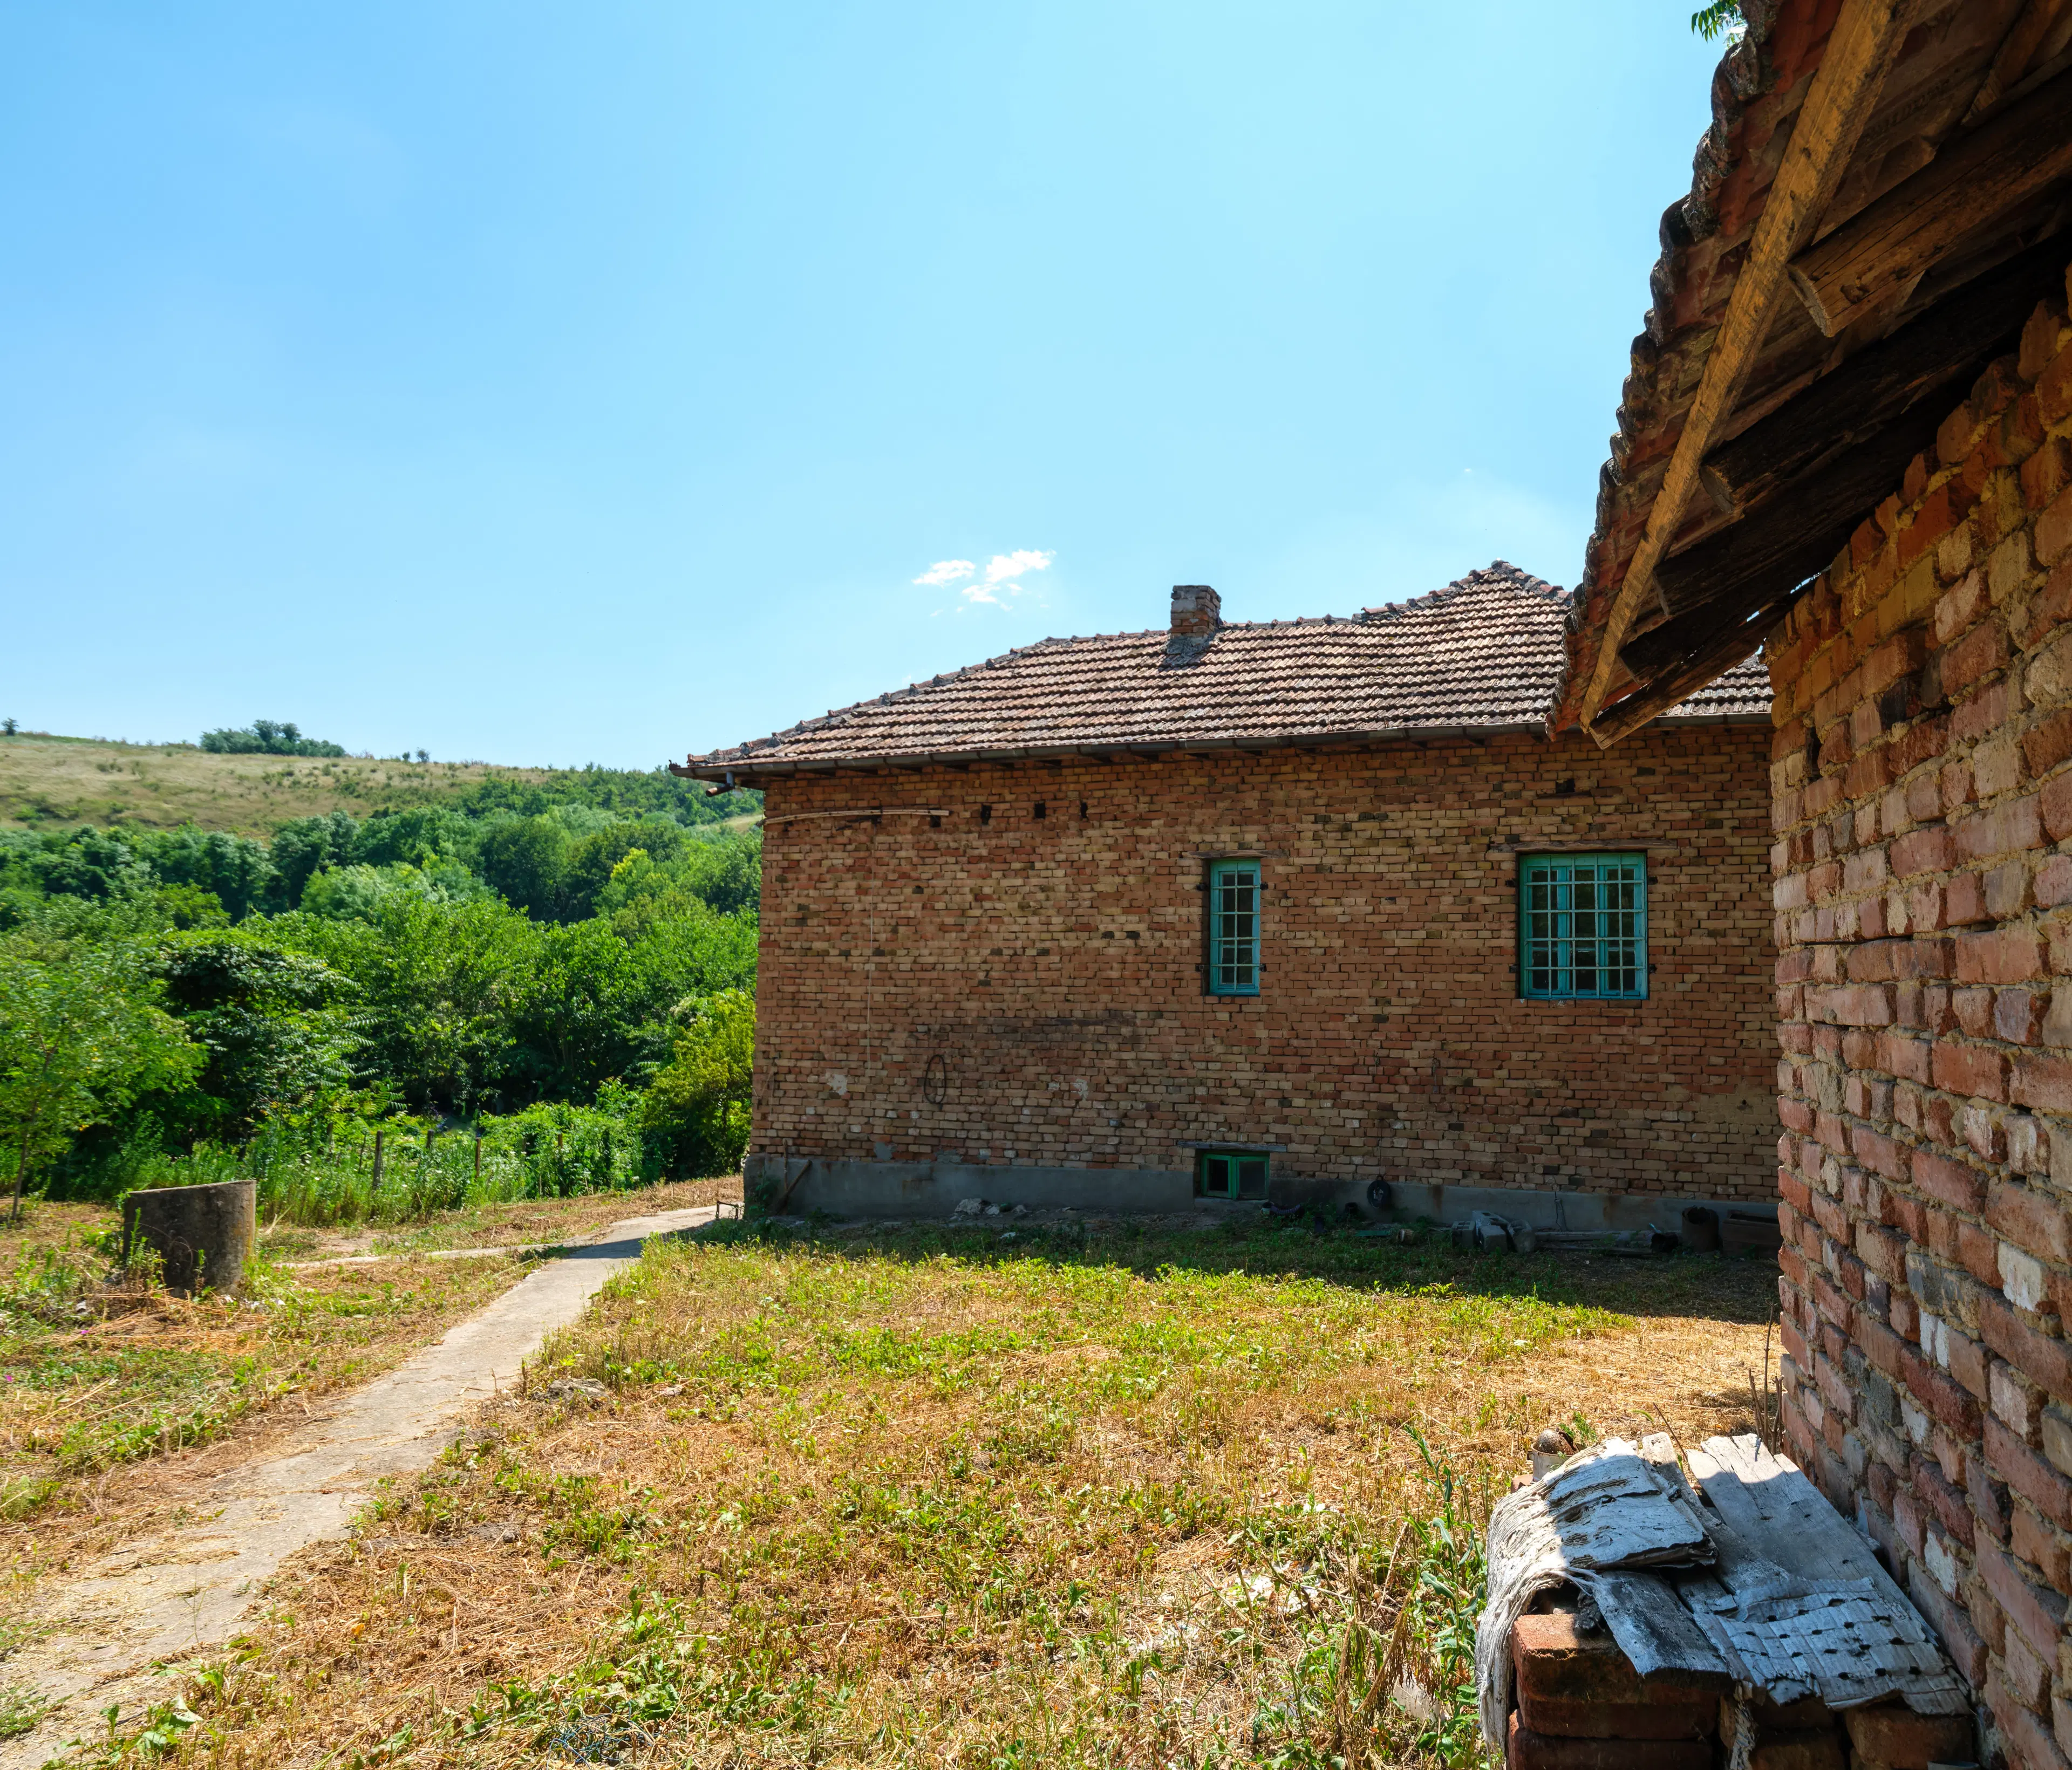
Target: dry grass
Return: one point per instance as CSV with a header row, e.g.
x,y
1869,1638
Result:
x,y
66,780
517,1222
115,1399
940,1497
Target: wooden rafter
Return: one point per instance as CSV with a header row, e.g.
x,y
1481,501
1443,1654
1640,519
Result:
x,y
1844,92
1952,340
1874,257
2016,54
1735,646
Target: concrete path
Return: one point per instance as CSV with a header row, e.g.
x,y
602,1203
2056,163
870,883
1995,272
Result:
x,y
169,1596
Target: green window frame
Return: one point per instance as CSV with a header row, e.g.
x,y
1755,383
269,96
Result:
x,y
1230,1173
1582,927
1232,964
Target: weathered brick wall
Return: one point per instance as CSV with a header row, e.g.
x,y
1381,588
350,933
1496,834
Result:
x,y
1924,920
1047,962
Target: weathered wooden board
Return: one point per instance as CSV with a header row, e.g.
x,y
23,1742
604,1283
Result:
x,y
1654,1628
1596,1520
1797,1599
1616,1511
1779,1514
1977,179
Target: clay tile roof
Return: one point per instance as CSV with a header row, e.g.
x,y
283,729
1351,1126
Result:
x,y
1481,655
1929,97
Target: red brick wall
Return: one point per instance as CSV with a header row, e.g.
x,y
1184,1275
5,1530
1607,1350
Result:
x,y
1924,914
1052,964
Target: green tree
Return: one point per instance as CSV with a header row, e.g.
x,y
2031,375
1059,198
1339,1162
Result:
x,y
1719,18
234,870
81,1036
594,862
439,984
525,858
700,1101
270,1021
303,846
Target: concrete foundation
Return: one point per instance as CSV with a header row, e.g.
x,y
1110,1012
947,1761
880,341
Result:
x,y
892,1189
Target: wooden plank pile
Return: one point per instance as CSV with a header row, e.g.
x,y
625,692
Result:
x,y
1634,1623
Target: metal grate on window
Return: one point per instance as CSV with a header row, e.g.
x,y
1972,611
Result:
x,y
1220,1173
1234,928
1583,925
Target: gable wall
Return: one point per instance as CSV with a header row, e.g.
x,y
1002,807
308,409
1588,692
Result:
x,y
1923,892
1051,965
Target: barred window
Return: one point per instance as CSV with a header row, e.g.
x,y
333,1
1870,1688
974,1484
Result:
x,y
1229,1173
1233,931
1582,926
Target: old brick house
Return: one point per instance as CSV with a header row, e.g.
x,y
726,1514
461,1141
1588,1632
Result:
x,y
1125,921
1847,436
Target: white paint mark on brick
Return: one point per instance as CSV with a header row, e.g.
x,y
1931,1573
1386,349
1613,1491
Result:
x,y
2022,1277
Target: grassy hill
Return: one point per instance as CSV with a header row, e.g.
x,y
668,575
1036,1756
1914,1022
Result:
x,y
47,781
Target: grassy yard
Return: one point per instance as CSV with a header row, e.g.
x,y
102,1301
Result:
x,y
926,1496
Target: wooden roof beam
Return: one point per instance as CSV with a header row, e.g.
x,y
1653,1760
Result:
x,y
1733,646
1952,341
1788,540
2037,22
1877,255
1867,35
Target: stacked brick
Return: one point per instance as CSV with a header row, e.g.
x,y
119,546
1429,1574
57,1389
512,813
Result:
x,y
1921,780
1000,963
1582,1706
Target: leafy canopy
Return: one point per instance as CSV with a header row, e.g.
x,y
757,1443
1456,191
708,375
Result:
x,y
1720,18
81,1036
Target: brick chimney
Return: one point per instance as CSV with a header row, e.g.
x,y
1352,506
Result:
x,y
1197,611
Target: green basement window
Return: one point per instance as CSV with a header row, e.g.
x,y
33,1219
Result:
x,y
1582,926
1229,1173
1233,961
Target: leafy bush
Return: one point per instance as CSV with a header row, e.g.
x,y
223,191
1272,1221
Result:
x,y
340,1166
699,1103
82,1036
267,737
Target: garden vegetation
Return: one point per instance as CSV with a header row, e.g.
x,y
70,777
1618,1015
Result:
x,y
532,989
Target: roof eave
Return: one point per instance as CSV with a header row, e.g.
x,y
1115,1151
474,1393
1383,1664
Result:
x,y
744,771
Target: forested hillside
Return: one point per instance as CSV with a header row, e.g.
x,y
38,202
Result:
x,y
562,962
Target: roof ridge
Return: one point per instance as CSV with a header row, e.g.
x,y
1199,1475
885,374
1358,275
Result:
x,y
1498,574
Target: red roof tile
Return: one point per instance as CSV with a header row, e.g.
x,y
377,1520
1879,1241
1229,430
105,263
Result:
x,y
1481,655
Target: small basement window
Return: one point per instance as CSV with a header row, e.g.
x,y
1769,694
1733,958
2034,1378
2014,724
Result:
x,y
1582,926
1233,928
1229,1173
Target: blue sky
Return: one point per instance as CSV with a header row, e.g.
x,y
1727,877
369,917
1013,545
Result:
x,y
569,384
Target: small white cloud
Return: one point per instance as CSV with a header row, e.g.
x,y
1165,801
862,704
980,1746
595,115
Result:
x,y
1003,566
996,584
1003,572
